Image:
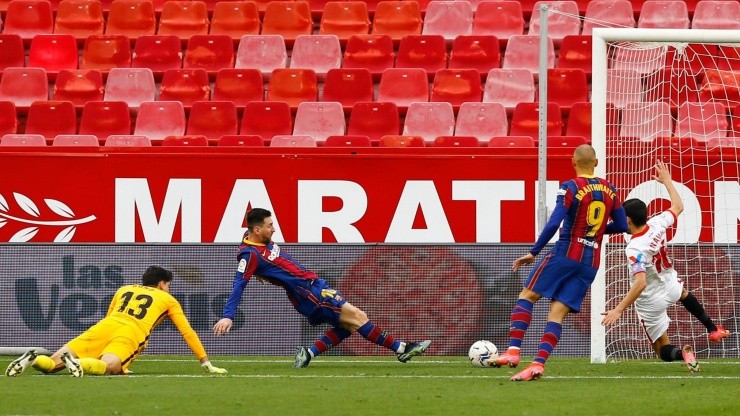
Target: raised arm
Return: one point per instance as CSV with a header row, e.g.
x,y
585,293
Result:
x,y
663,175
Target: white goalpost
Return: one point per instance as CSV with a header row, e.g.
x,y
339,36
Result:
x,y
673,95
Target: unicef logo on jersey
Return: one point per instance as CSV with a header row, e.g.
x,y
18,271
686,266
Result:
x,y
274,252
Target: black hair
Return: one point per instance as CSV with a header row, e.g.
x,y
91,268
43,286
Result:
x,y
256,216
155,274
636,211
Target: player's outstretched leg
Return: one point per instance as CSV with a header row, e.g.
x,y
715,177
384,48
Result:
x,y
21,363
689,358
331,338
413,349
74,367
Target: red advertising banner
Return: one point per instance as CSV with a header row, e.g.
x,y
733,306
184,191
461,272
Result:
x,y
317,195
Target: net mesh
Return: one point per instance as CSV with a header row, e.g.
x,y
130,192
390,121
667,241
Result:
x,y
678,102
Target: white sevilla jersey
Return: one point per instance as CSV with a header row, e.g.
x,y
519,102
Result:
x,y
646,252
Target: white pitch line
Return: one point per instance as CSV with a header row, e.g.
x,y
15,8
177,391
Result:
x,y
417,362
450,377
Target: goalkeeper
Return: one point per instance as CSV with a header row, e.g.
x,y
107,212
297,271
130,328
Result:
x,y
655,285
112,344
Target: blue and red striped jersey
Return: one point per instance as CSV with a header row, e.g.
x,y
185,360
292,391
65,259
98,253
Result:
x,y
584,206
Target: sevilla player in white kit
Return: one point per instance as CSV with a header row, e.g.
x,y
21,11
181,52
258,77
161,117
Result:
x,y
655,285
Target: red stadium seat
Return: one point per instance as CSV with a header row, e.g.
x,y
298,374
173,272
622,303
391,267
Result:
x,y
125,140
396,140
374,120
131,85
288,19
429,120
78,86
566,86
646,121
264,52
292,141
522,52
51,118
702,121
185,85
235,19
509,87
179,141
212,119
239,85
347,141
502,19
348,86
664,14
448,19
159,119
565,141
22,140
84,140
79,18
210,52
716,15
477,52
344,19
183,19
456,86
53,53
481,120
132,18
672,86
511,142
23,86
525,121
397,19
319,120
8,118
623,86
11,52
456,141
103,118
372,52
158,53
28,18
266,119
106,52
403,86
241,141
320,53
422,51
608,13
559,25
293,86
575,52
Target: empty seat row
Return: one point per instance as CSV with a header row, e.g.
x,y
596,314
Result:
x,y
22,86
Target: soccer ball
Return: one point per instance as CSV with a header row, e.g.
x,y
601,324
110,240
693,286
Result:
x,y
480,352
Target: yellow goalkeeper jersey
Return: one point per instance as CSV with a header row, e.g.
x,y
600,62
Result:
x,y
145,307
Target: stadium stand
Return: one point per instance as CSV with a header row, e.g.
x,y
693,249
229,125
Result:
x,y
78,86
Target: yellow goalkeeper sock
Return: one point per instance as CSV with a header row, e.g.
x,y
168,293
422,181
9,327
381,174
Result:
x,y
93,366
43,363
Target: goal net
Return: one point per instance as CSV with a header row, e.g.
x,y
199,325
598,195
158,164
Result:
x,y
672,95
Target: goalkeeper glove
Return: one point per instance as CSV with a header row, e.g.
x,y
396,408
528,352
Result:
x,y
210,368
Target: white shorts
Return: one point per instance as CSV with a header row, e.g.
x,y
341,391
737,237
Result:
x,y
652,310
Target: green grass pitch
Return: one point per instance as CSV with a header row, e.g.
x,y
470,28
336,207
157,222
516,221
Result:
x,y
175,385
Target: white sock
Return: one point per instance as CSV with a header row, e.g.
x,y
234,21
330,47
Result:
x,y
401,347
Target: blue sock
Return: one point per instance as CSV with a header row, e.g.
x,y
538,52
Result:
x,y
521,316
332,337
549,340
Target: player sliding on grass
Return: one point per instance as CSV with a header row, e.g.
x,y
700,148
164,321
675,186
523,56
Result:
x,y
655,285
112,344
310,295
583,205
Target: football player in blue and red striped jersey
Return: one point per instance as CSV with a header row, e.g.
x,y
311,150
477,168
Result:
x,y
310,295
584,206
